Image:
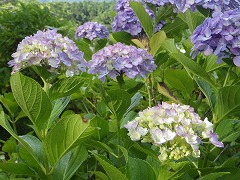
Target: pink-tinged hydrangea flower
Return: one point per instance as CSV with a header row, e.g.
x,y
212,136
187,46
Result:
x,y
176,129
219,35
91,30
50,49
119,59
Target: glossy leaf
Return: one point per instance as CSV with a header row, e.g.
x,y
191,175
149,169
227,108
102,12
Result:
x,y
66,134
122,37
214,176
32,99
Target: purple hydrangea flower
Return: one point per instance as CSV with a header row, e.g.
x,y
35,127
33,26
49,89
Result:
x,y
219,5
179,5
91,30
51,49
117,59
127,21
219,35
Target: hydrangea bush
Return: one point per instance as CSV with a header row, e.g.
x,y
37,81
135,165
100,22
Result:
x,y
161,109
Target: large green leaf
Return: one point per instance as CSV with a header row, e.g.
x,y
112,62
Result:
x,y
228,102
32,99
139,169
228,130
208,90
117,101
111,170
192,66
193,19
214,176
143,17
5,124
156,41
65,87
66,134
17,169
178,79
175,26
123,37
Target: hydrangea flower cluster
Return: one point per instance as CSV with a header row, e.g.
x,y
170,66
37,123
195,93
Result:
x,y
219,35
117,59
51,49
176,129
91,30
126,20
219,5
179,5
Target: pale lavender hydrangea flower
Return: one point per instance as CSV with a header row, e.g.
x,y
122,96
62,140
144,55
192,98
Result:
x,y
91,30
119,59
50,49
176,129
219,35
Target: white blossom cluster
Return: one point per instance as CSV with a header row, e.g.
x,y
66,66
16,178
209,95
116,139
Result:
x,y
175,128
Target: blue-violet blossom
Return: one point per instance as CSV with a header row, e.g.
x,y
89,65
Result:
x,y
49,48
91,30
219,35
118,59
176,129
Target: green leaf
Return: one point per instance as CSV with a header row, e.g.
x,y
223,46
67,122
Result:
x,y
193,19
208,90
178,79
66,134
42,72
122,37
228,102
10,145
125,152
139,169
138,43
156,42
101,175
5,124
99,44
117,101
228,130
111,171
32,99
192,66
84,47
102,127
17,169
211,65
213,176
65,87
169,46
176,25
58,106
144,18
70,163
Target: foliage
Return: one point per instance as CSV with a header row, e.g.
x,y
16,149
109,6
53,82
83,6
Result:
x,y
78,127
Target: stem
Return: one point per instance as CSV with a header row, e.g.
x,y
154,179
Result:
x,y
227,76
149,95
206,157
118,141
